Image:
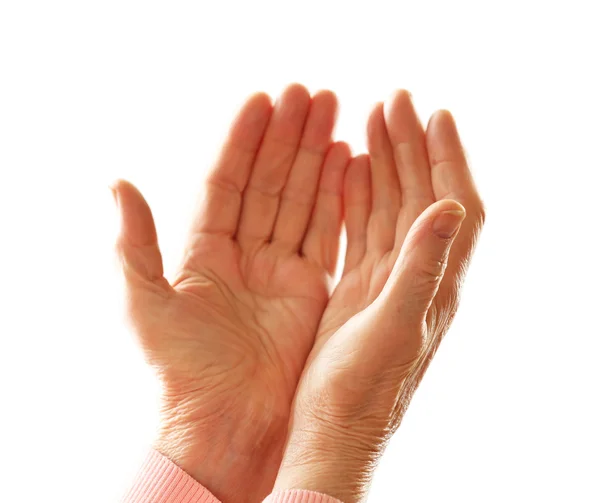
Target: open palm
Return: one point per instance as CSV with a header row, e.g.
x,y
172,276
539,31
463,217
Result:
x,y
230,335
406,257
407,170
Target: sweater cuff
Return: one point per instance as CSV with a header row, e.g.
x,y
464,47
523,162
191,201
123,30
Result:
x,y
299,496
162,481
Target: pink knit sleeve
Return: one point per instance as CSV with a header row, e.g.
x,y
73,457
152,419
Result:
x,y
299,496
162,481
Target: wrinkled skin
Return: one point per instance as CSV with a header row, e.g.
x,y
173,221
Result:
x,y
395,301
229,337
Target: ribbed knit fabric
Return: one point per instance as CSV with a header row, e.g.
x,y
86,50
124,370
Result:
x,y
162,481
299,496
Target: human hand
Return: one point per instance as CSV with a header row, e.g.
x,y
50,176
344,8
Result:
x,y
229,337
405,262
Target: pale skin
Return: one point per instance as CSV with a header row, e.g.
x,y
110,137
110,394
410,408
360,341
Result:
x,y
230,336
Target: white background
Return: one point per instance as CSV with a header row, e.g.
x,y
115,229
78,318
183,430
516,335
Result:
x,y
92,91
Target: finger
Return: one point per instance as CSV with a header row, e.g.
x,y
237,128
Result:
x,y
137,244
357,209
219,210
273,162
418,271
409,149
323,236
385,185
298,197
451,178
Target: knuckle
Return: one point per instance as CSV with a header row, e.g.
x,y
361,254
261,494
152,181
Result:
x,y
432,270
426,276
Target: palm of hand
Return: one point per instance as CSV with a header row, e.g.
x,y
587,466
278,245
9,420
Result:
x,y
230,335
370,337
251,321
394,302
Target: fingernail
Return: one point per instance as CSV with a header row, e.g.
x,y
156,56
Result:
x,y
446,224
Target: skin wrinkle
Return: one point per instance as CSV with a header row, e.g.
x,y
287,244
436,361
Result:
x,y
256,312
226,184
408,342
272,193
245,317
298,199
162,287
226,293
309,151
328,434
264,339
224,415
234,302
265,184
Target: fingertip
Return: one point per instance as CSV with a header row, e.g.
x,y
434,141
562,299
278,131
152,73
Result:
x,y
426,220
292,106
256,107
340,150
443,140
398,99
137,223
440,118
126,189
446,205
359,169
376,110
327,101
123,191
326,96
295,92
259,98
361,161
320,122
442,126
115,184
445,114
448,219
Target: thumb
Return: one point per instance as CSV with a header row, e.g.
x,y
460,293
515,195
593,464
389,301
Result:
x,y
419,269
137,243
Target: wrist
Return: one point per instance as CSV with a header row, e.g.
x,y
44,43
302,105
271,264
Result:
x,y
235,460
330,460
